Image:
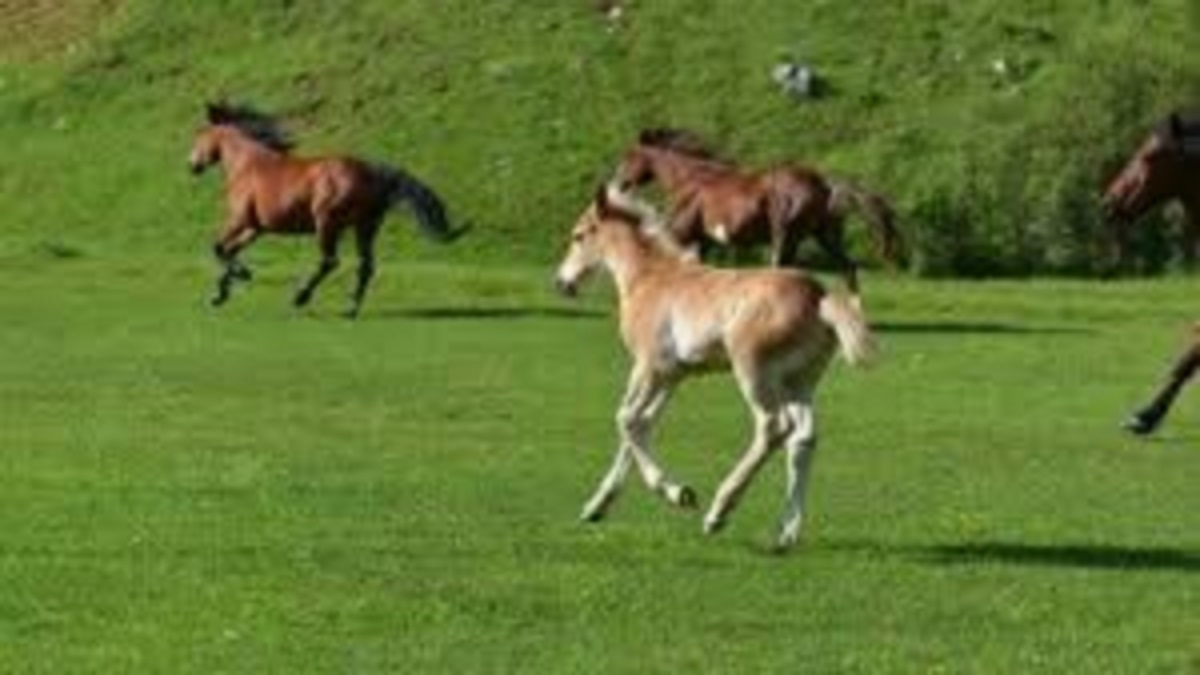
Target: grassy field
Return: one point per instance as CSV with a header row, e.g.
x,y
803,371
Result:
x,y
258,490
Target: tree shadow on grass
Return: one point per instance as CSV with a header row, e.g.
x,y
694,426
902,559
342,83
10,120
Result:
x,y
972,328
485,313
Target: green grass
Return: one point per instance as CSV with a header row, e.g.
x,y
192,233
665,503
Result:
x,y
257,490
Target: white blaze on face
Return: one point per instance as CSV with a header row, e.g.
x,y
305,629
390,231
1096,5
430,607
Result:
x,y
572,267
721,233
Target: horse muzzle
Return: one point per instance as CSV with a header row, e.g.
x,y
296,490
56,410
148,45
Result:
x,y
569,289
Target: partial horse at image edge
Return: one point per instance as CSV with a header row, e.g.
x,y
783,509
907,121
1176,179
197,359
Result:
x,y
1165,167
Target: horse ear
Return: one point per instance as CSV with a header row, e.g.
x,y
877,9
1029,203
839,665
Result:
x,y
215,112
603,206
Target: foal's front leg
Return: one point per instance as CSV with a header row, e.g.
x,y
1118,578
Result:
x,y
645,397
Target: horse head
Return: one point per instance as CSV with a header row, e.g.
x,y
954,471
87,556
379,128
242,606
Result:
x,y
1152,176
635,169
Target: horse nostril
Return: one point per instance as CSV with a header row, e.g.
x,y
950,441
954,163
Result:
x,y
564,287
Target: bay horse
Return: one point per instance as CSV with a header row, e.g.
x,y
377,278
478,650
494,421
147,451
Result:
x,y
269,190
776,329
1165,167
713,201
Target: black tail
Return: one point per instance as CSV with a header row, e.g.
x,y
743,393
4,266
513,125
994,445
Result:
x,y
402,187
878,213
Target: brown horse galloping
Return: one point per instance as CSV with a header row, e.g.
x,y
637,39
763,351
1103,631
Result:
x,y
1165,167
268,189
713,201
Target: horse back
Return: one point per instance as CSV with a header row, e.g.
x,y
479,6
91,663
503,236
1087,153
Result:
x,y
295,194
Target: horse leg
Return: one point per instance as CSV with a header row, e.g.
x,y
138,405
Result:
x,y
645,398
833,241
327,240
597,506
226,250
785,240
801,443
1188,240
770,426
1191,233
1146,420
365,239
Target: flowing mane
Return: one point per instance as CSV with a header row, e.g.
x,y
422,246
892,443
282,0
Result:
x,y
681,141
647,220
260,126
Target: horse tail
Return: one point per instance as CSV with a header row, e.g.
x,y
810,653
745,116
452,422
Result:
x,y
845,316
430,210
879,214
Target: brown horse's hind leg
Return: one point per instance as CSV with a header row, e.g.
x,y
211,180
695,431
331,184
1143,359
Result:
x,y
1146,420
365,239
830,236
783,246
327,239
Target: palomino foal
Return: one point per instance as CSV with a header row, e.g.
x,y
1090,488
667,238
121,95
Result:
x,y
775,329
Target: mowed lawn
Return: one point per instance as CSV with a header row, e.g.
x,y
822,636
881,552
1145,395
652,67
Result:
x,y
259,490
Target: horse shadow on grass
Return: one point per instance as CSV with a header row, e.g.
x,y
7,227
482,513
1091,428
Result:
x,y
1077,556
487,313
972,328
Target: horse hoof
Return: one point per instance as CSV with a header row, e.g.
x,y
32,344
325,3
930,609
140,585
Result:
x,y
350,314
713,526
591,516
301,299
786,539
217,300
686,498
1139,425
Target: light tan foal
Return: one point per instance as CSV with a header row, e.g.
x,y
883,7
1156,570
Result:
x,y
775,329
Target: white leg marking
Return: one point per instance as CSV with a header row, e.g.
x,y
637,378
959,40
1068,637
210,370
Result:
x,y
739,478
610,486
801,443
645,398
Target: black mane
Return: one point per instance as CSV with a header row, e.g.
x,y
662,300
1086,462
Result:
x,y
260,126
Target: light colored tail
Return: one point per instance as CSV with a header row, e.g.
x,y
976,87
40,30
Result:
x,y
845,316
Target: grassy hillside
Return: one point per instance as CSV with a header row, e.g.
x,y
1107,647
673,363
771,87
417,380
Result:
x,y
513,109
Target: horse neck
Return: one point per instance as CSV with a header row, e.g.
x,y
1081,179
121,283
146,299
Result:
x,y
239,152
672,170
631,258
